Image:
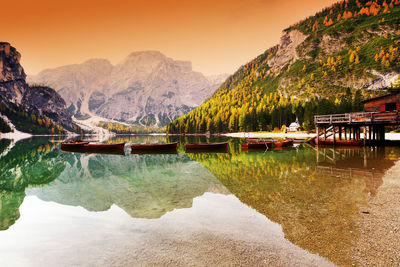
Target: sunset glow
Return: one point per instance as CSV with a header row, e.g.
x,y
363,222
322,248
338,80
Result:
x,y
216,37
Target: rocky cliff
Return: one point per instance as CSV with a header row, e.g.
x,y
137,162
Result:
x,y
17,98
146,88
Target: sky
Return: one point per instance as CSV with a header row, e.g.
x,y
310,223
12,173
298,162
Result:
x,y
217,36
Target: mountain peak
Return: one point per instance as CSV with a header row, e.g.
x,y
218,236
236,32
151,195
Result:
x,y
148,54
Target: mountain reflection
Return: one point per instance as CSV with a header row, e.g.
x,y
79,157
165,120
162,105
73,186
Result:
x,y
145,186
314,194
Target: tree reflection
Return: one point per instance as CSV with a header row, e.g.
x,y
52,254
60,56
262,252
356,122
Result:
x,y
313,198
28,163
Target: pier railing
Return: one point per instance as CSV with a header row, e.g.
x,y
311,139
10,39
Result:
x,y
359,118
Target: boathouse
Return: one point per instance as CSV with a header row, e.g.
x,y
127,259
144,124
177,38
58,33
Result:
x,y
345,129
384,103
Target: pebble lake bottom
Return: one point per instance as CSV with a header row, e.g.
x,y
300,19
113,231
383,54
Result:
x,y
297,206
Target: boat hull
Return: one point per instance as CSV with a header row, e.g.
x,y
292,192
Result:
x,y
257,145
119,146
283,143
71,145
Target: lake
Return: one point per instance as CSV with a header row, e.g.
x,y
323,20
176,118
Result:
x,y
283,207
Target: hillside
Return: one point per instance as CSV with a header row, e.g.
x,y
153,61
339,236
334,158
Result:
x,y
31,109
145,88
326,63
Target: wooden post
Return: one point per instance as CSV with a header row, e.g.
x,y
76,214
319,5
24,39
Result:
x,y
382,134
365,135
316,140
340,132
365,157
334,135
325,132
370,133
374,133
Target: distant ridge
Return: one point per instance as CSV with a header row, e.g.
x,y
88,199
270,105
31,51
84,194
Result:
x,y
146,88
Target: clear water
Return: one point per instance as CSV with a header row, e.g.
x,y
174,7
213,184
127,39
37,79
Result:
x,y
294,206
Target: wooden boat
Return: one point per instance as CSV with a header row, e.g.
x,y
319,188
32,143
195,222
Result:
x,y
73,144
257,145
203,146
119,146
299,141
283,143
158,146
329,142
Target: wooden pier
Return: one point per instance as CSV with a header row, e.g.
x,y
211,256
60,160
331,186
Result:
x,y
349,126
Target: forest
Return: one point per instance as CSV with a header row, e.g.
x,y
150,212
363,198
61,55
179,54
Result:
x,y
320,80
258,117
29,122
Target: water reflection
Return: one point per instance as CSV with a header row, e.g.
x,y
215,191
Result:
x,y
29,163
313,194
145,186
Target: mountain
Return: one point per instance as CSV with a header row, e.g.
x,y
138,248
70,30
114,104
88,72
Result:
x,y
146,88
34,109
324,64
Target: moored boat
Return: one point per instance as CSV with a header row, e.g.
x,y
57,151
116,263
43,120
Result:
x,y
157,146
119,146
73,144
257,145
204,146
283,143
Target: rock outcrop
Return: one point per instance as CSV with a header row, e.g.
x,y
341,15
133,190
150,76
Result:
x,y
146,88
15,92
287,49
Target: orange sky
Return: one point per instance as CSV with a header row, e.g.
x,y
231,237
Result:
x,y
216,35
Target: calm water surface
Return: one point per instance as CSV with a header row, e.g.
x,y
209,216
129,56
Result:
x,y
295,206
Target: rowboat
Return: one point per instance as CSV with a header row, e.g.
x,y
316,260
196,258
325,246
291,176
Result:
x,y
119,146
73,144
257,145
223,145
157,146
283,143
329,142
299,141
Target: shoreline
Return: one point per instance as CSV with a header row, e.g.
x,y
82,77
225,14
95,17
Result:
x,y
17,135
379,224
294,135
